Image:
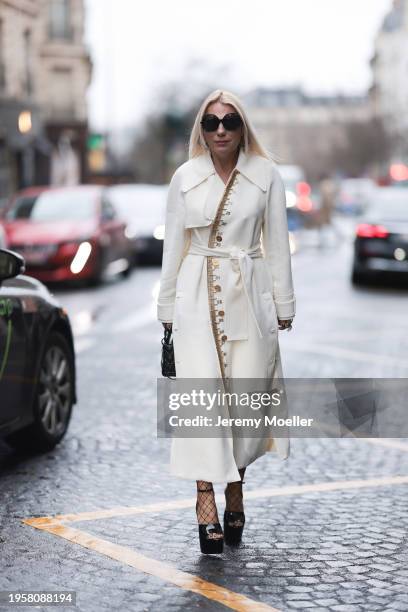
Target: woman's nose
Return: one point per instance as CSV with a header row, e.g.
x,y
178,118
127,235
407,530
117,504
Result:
x,y
221,129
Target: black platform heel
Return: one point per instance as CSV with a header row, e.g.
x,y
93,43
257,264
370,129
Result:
x,y
209,545
233,525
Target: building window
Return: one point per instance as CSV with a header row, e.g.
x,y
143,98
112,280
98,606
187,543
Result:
x,y
28,73
2,64
60,19
61,99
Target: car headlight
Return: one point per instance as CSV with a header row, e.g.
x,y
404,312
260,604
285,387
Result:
x,y
291,198
81,257
159,232
131,231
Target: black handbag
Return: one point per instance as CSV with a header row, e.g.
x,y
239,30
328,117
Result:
x,y
168,366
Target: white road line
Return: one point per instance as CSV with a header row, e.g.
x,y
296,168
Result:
x,y
335,351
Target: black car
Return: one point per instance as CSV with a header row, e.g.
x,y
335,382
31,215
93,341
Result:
x,y
381,241
37,361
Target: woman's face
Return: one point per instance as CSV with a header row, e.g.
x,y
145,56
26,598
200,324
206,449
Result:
x,y
222,143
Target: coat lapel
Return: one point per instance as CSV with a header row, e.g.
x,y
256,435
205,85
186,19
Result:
x,y
203,188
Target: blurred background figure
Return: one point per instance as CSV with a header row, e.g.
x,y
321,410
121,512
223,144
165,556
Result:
x,y
65,164
328,195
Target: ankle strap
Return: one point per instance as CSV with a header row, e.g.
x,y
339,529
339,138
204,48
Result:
x,y
205,490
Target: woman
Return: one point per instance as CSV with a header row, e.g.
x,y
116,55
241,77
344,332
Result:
x,y
226,288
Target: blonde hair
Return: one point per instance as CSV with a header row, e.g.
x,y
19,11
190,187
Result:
x,y
251,144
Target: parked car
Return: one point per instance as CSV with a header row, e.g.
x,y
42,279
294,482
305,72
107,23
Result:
x,y
144,208
355,195
68,233
37,360
381,237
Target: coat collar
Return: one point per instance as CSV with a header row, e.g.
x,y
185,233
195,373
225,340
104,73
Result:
x,y
252,166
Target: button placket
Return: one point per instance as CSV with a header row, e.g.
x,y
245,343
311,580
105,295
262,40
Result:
x,y
217,309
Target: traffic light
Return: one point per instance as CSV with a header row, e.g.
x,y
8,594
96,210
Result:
x,y
96,152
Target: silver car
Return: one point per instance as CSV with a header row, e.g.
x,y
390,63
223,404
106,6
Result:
x,y
143,207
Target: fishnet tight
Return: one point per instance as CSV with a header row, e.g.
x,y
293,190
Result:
x,y
206,507
233,494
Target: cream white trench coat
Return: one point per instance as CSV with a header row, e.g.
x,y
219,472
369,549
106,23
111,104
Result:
x,y
226,278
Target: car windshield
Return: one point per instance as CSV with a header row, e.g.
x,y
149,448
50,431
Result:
x,y
391,206
54,206
134,202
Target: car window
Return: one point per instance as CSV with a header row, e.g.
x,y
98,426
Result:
x,y
54,206
391,207
134,202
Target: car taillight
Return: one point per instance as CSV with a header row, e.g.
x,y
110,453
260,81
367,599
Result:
x,y
367,230
303,189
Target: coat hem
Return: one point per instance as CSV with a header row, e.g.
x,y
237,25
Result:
x,y
207,478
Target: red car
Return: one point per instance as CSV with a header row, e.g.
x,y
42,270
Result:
x,y
67,233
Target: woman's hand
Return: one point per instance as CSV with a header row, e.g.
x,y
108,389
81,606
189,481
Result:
x,y
285,324
168,326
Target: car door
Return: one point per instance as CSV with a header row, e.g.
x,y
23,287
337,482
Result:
x,y
14,385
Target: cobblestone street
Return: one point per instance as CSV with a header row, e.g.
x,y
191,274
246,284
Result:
x,y
326,529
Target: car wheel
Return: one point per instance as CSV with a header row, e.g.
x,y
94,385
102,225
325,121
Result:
x,y
53,399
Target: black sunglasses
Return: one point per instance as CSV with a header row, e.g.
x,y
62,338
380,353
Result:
x,y
231,122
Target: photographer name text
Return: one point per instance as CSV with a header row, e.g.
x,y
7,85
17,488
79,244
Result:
x,y
256,422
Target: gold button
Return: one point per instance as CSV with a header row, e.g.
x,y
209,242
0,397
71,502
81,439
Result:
x,y
219,238
217,288
216,263
221,313
224,338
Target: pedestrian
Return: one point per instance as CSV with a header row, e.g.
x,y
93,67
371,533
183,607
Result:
x,y
328,194
225,290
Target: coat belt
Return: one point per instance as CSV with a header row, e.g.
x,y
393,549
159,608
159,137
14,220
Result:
x,y
239,288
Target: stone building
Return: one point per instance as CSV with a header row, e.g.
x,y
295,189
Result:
x,y
298,128
45,70
389,91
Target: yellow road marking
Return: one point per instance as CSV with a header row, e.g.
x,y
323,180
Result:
x,y
168,573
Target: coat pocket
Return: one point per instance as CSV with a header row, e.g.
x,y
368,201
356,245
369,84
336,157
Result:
x,y
269,314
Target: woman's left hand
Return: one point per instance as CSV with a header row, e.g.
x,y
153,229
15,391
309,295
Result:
x,y
285,324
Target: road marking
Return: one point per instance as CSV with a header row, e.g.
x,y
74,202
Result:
x,y
335,351
168,573
162,570
190,502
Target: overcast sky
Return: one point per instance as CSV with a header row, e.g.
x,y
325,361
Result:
x,y
324,45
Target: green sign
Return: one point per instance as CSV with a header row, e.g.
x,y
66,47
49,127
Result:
x,y
95,141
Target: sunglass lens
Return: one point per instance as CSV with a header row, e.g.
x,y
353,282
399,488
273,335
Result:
x,y
232,121
210,123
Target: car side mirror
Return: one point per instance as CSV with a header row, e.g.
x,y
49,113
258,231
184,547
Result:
x,y
11,264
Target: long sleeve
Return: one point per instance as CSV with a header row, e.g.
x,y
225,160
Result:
x,y
176,239
275,242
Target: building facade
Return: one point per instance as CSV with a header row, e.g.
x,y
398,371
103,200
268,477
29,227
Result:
x,y
303,129
45,70
389,64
